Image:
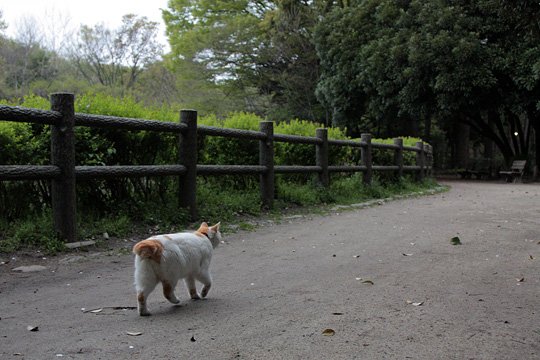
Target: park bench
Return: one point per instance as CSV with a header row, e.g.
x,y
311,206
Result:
x,y
516,171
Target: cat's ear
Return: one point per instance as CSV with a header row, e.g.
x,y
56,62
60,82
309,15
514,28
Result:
x,y
203,228
216,227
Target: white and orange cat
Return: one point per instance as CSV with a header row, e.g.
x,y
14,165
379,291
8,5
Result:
x,y
171,257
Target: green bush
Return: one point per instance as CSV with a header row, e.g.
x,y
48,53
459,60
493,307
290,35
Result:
x,y
227,151
385,156
148,200
302,154
37,233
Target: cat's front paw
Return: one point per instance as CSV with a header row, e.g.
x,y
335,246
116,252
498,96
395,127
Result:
x,y
144,312
194,295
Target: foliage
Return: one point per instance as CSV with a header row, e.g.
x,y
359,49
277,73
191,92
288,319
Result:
x,y
34,233
111,205
403,66
116,57
263,51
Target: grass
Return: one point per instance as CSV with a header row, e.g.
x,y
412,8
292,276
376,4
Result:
x,y
230,206
36,232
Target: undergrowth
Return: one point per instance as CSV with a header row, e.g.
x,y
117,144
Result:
x,y
214,204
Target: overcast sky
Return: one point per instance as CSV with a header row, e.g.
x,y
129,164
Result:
x,y
79,12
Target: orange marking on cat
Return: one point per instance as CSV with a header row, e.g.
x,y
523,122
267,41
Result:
x,y
203,230
149,249
167,237
140,298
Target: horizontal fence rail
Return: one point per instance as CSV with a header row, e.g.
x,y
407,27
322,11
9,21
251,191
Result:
x,y
63,173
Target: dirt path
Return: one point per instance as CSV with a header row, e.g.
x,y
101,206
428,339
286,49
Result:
x,y
277,289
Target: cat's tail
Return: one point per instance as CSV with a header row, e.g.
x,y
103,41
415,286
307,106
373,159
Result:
x,y
149,249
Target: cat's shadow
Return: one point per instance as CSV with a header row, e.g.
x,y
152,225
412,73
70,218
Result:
x,y
187,307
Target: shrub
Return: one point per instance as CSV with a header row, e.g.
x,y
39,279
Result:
x,y
149,199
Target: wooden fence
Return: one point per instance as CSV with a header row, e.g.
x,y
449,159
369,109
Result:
x,y
63,172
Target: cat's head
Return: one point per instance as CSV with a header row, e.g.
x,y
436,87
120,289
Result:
x,y
212,232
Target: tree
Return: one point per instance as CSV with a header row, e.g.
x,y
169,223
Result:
x,y
386,64
3,24
23,60
524,16
260,51
115,58
287,67
220,40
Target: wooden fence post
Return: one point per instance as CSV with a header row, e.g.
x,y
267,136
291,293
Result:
x,y
430,162
420,160
321,156
367,158
63,155
187,152
266,159
398,157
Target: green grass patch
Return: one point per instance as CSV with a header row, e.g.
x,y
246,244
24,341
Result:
x,y
34,233
230,204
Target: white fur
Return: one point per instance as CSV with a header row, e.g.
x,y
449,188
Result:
x,y
185,256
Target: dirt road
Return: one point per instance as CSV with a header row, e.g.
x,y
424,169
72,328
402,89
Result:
x,y
386,280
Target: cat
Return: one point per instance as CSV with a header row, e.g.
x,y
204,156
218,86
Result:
x,y
171,257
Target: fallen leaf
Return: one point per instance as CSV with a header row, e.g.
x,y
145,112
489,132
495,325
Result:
x,y
134,333
522,279
407,254
337,313
356,256
455,240
418,303
193,339
368,282
358,279
32,328
328,332
531,257
95,311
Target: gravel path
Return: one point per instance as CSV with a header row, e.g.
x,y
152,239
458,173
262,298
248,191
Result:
x,y
385,282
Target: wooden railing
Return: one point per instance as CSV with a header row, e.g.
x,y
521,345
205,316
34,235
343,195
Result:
x,y
63,172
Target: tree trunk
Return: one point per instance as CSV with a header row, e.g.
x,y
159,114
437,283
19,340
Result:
x,y
461,135
427,129
536,167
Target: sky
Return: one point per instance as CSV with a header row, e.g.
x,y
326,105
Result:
x,y
79,12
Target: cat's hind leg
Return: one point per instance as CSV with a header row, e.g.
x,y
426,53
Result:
x,y
145,283
143,291
168,292
190,283
206,279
